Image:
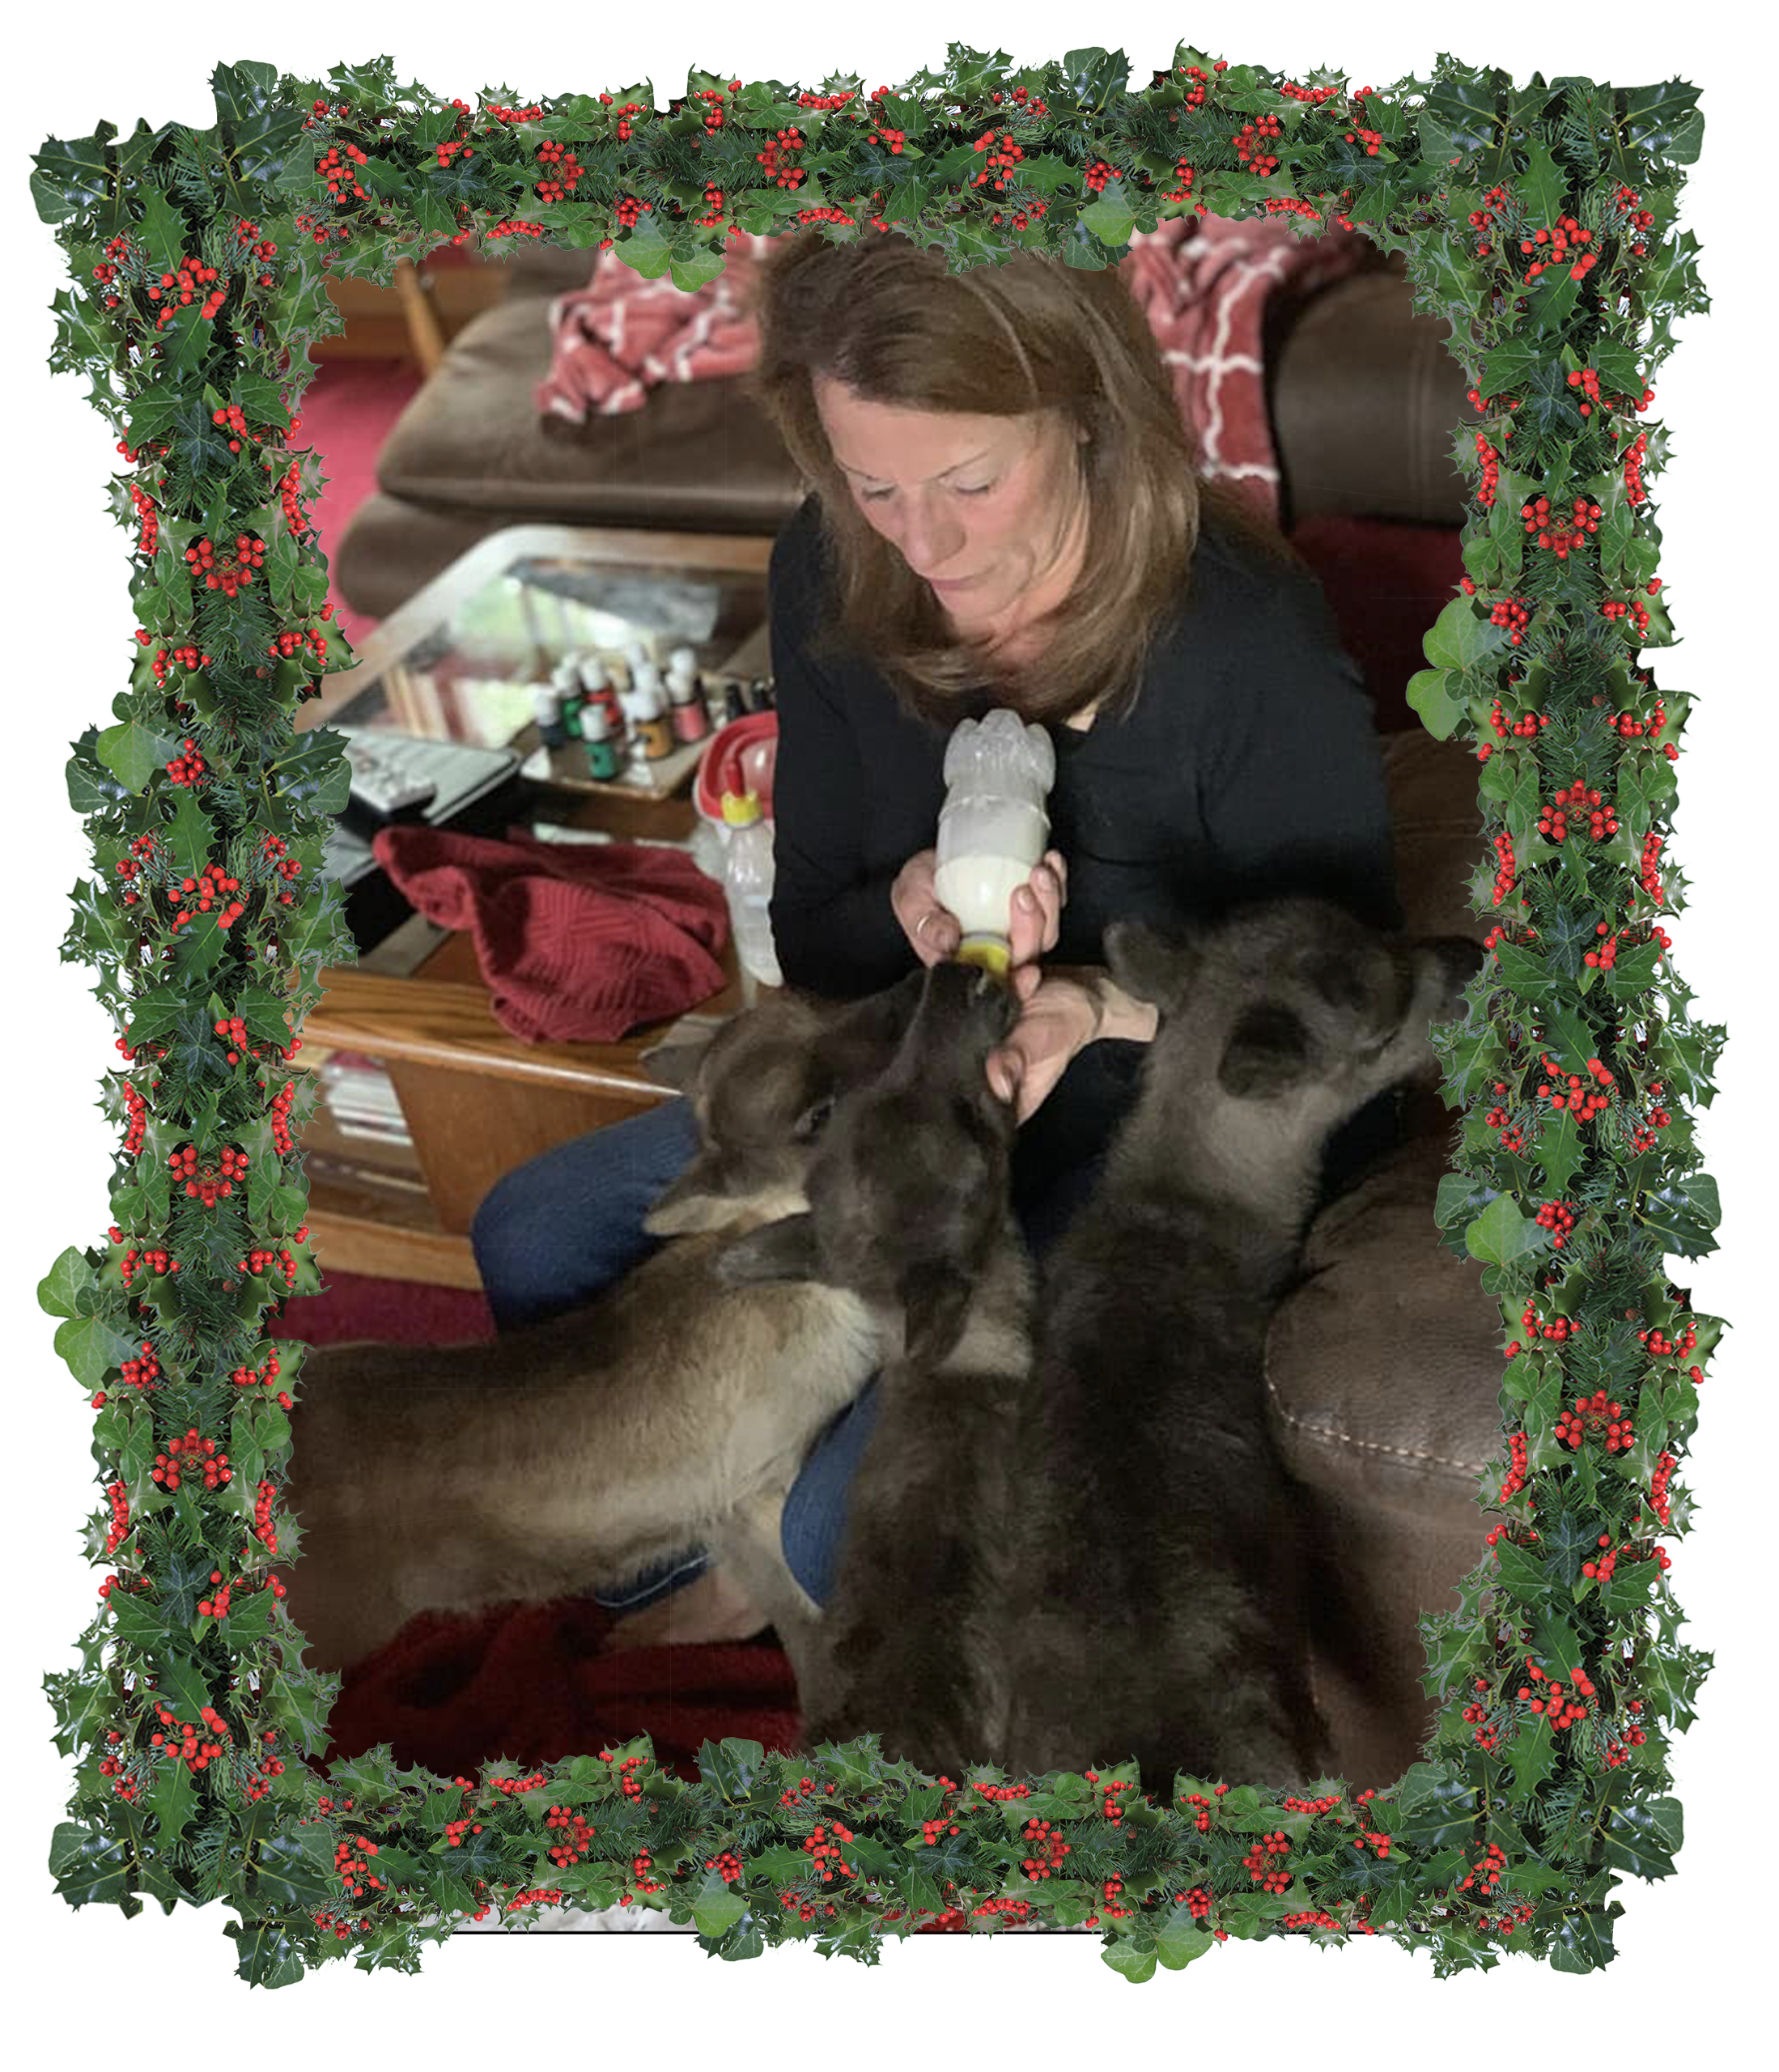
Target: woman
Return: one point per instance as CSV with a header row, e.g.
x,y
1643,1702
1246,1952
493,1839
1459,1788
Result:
x,y
1005,511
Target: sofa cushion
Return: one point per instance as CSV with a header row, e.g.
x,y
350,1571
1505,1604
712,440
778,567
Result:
x,y
1384,1367
1365,398
1435,820
700,458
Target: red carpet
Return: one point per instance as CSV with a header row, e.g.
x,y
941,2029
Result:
x,y
532,1683
347,410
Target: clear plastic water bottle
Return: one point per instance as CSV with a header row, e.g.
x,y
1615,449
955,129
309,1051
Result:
x,y
747,879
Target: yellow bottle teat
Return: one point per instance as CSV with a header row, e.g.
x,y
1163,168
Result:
x,y
988,953
741,809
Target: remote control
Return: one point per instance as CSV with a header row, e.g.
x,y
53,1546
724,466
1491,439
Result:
x,y
382,791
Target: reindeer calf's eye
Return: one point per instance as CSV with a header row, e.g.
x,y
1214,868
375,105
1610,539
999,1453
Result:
x,y
812,1121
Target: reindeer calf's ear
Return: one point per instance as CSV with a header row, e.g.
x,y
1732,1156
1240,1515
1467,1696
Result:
x,y
1267,1052
1146,967
675,1064
883,1017
784,1251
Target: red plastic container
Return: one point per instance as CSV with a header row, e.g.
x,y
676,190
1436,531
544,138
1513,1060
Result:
x,y
737,758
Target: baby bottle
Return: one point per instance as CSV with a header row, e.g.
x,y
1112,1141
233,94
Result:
x,y
994,828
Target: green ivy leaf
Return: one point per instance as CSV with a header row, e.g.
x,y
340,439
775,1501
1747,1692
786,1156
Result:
x,y
59,1290
1111,218
133,753
1501,1235
1130,1963
717,1906
1461,636
91,1347
1182,1939
1430,693
645,251
690,275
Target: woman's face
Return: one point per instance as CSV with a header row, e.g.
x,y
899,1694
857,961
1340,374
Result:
x,y
983,509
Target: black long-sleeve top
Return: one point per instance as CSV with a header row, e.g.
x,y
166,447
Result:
x,y
1247,766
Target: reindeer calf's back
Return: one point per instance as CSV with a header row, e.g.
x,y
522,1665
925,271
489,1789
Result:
x,y
1157,1601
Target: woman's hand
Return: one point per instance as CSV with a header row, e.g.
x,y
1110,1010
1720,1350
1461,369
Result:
x,y
1063,1011
1034,919
1059,1016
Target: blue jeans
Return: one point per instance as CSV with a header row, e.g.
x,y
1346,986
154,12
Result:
x,y
555,1231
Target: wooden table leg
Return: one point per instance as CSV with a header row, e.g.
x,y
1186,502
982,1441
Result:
x,y
426,339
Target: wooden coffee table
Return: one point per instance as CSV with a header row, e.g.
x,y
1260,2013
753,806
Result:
x,y
476,1100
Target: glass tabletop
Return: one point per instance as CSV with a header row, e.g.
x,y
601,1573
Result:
x,y
460,661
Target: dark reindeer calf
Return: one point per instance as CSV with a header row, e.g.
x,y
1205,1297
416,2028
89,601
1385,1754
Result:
x,y
909,1210
1157,1602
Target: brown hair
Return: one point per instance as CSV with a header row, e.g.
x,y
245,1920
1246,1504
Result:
x,y
883,317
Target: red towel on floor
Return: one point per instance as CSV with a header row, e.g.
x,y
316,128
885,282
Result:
x,y
529,1682
579,942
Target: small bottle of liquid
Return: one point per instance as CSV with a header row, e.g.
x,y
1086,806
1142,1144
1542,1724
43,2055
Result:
x,y
570,699
546,704
747,880
685,704
603,760
723,702
595,689
639,654
993,830
646,708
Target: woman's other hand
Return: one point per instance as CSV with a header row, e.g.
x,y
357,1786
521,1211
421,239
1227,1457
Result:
x,y
932,929
1034,914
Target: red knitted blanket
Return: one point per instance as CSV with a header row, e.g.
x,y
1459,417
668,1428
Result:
x,y
579,943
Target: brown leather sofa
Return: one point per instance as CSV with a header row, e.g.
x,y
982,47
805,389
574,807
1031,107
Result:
x,y
1383,1367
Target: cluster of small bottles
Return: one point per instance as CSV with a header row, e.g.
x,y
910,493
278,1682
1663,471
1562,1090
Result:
x,y
628,713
